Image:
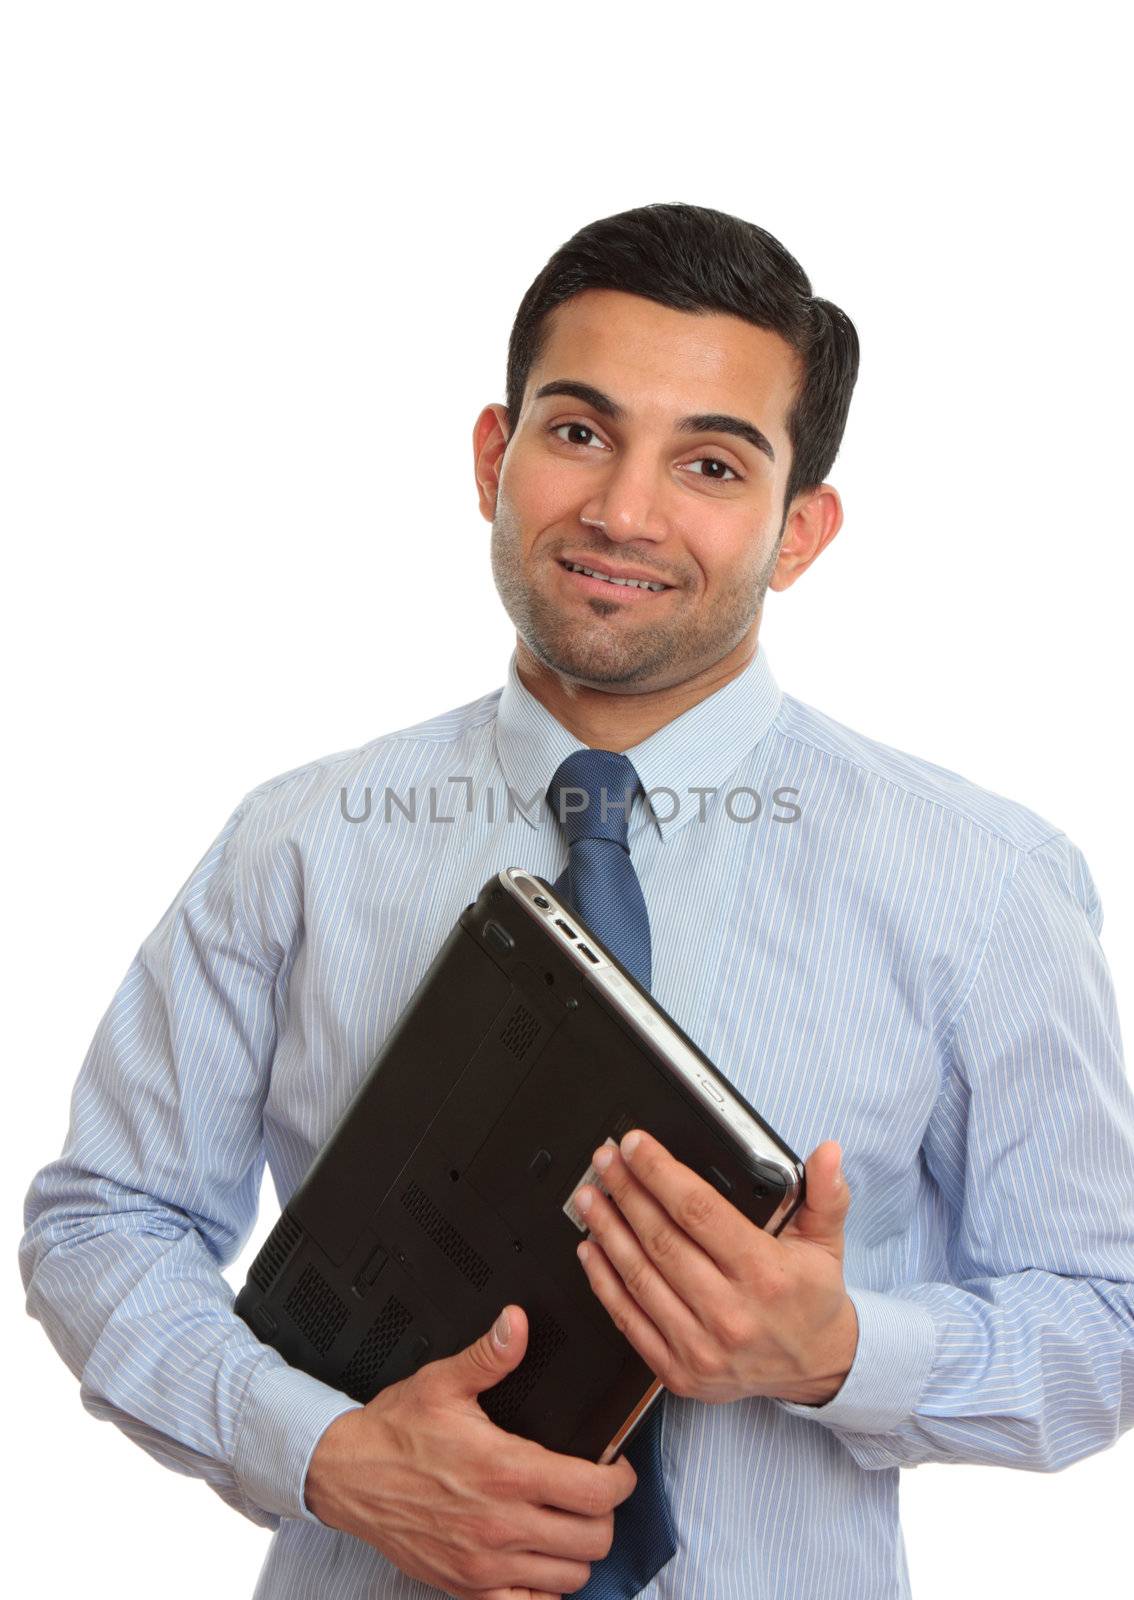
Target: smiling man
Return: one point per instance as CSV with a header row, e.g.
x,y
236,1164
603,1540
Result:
x,y
900,969
608,473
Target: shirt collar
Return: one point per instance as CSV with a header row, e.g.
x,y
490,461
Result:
x,y
697,750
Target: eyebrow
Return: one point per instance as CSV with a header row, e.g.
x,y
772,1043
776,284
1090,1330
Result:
x,y
701,422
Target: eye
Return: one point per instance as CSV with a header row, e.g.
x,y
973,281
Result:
x,y
717,462
579,427
711,477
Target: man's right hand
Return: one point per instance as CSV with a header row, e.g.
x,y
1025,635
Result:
x,y
426,1478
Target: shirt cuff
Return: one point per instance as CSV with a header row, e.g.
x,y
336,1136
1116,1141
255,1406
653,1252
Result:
x,y
285,1414
893,1360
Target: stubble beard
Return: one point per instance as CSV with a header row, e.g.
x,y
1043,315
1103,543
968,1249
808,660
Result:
x,y
591,644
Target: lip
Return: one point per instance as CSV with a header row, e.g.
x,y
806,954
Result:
x,y
618,594
615,572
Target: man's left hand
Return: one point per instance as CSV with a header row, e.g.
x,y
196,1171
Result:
x,y
718,1308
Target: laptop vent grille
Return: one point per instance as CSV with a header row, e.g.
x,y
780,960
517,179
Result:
x,y
502,1403
448,1239
273,1253
316,1309
520,1032
360,1380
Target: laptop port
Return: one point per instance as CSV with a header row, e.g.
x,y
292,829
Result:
x,y
559,923
589,954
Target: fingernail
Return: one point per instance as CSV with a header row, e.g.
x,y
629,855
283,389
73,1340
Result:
x,y
631,1143
502,1328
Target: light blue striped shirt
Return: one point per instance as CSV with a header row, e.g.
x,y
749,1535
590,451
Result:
x,y
871,948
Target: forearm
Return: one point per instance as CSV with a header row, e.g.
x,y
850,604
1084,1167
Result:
x,y
139,1310
1026,1359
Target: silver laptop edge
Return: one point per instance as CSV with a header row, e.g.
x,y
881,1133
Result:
x,y
714,1097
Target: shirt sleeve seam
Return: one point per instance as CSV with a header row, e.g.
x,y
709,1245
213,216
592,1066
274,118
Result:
x,y
243,918
1006,884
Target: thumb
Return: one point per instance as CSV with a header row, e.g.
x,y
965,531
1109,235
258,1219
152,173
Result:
x,y
827,1199
487,1360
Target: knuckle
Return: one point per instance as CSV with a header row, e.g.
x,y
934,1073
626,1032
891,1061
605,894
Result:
x,y
704,1360
638,1277
478,1354
502,1481
477,1568
495,1533
674,1372
662,1241
621,1319
696,1209
732,1331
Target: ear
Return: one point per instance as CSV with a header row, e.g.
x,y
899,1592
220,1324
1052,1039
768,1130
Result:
x,y
490,441
815,518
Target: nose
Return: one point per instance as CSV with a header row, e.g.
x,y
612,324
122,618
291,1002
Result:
x,y
628,505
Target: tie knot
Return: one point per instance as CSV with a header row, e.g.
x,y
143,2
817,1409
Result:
x,y
591,795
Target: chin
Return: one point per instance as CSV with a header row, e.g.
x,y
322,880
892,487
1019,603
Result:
x,y
588,663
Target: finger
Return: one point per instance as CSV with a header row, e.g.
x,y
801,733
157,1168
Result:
x,y
625,1312
822,1216
571,1483
513,1594
727,1237
665,1271
520,1568
562,1534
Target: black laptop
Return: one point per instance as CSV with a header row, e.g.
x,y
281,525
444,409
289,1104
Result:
x,y
447,1188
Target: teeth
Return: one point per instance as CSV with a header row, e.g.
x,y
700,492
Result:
x,y
626,583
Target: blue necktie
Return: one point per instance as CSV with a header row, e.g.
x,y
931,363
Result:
x,y
600,884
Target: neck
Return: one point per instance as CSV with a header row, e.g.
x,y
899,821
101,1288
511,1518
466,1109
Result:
x,y
610,719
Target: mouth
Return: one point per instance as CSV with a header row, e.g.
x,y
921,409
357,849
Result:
x,y
623,591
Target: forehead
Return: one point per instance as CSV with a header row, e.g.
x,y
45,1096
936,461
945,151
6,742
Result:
x,y
661,363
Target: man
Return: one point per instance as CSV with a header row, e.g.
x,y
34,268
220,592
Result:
x,y
899,969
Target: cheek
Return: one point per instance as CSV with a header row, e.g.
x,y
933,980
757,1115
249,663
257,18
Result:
x,y
720,557
543,493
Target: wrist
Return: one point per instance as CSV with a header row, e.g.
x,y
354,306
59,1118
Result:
x,y
832,1361
331,1456
283,1415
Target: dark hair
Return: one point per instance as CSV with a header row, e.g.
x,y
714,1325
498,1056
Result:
x,y
695,259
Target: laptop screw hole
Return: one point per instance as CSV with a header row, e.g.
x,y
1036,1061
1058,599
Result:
x,y
454,1175
517,1245
549,977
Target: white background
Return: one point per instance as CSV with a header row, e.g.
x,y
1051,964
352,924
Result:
x,y
260,268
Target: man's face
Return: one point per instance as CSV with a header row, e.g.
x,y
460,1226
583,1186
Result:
x,y
699,510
